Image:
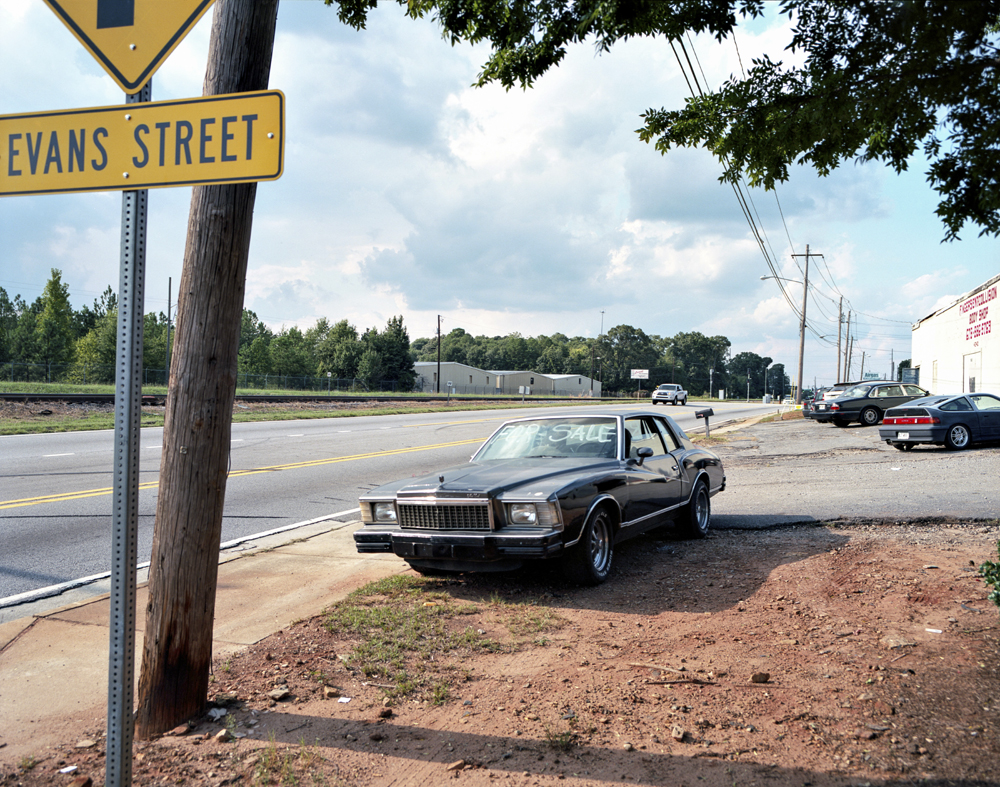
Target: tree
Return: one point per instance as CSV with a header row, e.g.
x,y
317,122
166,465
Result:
x,y
879,82
393,347
53,328
622,349
96,352
339,351
8,324
183,572
370,367
291,354
746,375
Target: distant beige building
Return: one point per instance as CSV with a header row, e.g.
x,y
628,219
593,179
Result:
x,y
470,380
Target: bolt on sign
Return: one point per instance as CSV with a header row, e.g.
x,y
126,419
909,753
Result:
x,y
229,138
130,38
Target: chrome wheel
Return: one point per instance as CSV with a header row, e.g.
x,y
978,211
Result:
x,y
957,437
697,515
589,562
870,416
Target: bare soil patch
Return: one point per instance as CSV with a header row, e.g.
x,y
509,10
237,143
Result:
x,y
858,654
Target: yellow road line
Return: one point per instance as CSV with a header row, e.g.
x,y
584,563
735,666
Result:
x,y
79,495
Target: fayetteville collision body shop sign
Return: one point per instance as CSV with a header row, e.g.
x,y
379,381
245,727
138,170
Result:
x,y
978,309
214,139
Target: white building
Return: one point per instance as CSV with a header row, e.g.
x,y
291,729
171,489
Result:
x,y
955,349
470,380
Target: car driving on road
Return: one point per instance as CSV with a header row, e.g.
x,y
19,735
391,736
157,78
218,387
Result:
x,y
670,392
564,488
865,402
955,421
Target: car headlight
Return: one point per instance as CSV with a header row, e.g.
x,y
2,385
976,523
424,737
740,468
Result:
x,y
541,514
522,513
384,512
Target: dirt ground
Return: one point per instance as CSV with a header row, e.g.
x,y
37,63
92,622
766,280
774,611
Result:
x,y
846,654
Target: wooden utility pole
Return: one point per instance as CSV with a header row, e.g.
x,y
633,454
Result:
x,y
847,349
183,572
438,388
802,322
840,323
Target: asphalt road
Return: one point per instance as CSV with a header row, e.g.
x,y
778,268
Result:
x,y
55,504
803,471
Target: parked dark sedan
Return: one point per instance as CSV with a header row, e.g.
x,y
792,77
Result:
x,y
865,402
955,421
554,487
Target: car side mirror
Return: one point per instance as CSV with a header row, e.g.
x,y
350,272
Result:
x,y
643,453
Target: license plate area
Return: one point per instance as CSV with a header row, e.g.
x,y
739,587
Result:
x,y
902,435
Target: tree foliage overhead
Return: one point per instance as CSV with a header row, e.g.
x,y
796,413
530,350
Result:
x,y
873,80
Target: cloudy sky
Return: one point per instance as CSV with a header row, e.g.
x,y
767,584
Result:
x,y
407,191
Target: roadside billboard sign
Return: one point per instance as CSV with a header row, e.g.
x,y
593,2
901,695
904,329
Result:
x,y
640,374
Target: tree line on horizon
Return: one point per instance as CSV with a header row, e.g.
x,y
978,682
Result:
x,y
82,342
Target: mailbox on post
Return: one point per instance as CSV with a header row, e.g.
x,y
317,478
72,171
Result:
x,y
707,413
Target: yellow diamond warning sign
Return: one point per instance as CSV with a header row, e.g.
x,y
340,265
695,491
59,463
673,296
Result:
x,y
130,38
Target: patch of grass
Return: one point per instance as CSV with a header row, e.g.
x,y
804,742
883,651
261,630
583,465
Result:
x,y
290,767
560,741
404,630
27,763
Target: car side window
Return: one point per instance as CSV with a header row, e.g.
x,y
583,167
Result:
x,y
912,390
668,438
958,404
889,390
643,434
984,402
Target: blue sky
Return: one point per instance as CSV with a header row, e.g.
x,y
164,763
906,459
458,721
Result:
x,y
407,191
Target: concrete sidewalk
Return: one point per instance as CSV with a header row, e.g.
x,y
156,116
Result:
x,y
54,663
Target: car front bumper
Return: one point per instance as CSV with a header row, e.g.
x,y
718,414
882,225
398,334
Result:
x,y
464,547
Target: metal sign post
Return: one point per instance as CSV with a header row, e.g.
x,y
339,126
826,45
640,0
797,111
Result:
x,y
125,510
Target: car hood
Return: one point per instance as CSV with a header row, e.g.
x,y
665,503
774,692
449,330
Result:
x,y
538,477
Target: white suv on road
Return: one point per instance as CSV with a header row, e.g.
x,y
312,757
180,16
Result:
x,y
670,392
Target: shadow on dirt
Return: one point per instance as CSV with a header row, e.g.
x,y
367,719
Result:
x,y
659,571
523,755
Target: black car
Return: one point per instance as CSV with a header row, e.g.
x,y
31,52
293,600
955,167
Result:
x,y
955,421
865,402
553,487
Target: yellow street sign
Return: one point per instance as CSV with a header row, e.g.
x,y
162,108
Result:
x,y
232,138
130,38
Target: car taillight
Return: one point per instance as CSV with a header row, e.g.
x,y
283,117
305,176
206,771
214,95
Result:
x,y
912,420
834,406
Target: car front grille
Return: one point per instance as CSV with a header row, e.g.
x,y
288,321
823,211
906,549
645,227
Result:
x,y
455,516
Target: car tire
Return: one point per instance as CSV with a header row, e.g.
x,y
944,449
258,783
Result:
x,y
957,438
589,561
870,416
696,516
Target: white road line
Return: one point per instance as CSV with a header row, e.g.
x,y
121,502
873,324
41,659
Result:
x,y
46,456
55,590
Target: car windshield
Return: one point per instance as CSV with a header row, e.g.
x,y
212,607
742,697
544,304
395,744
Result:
x,y
552,437
857,391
